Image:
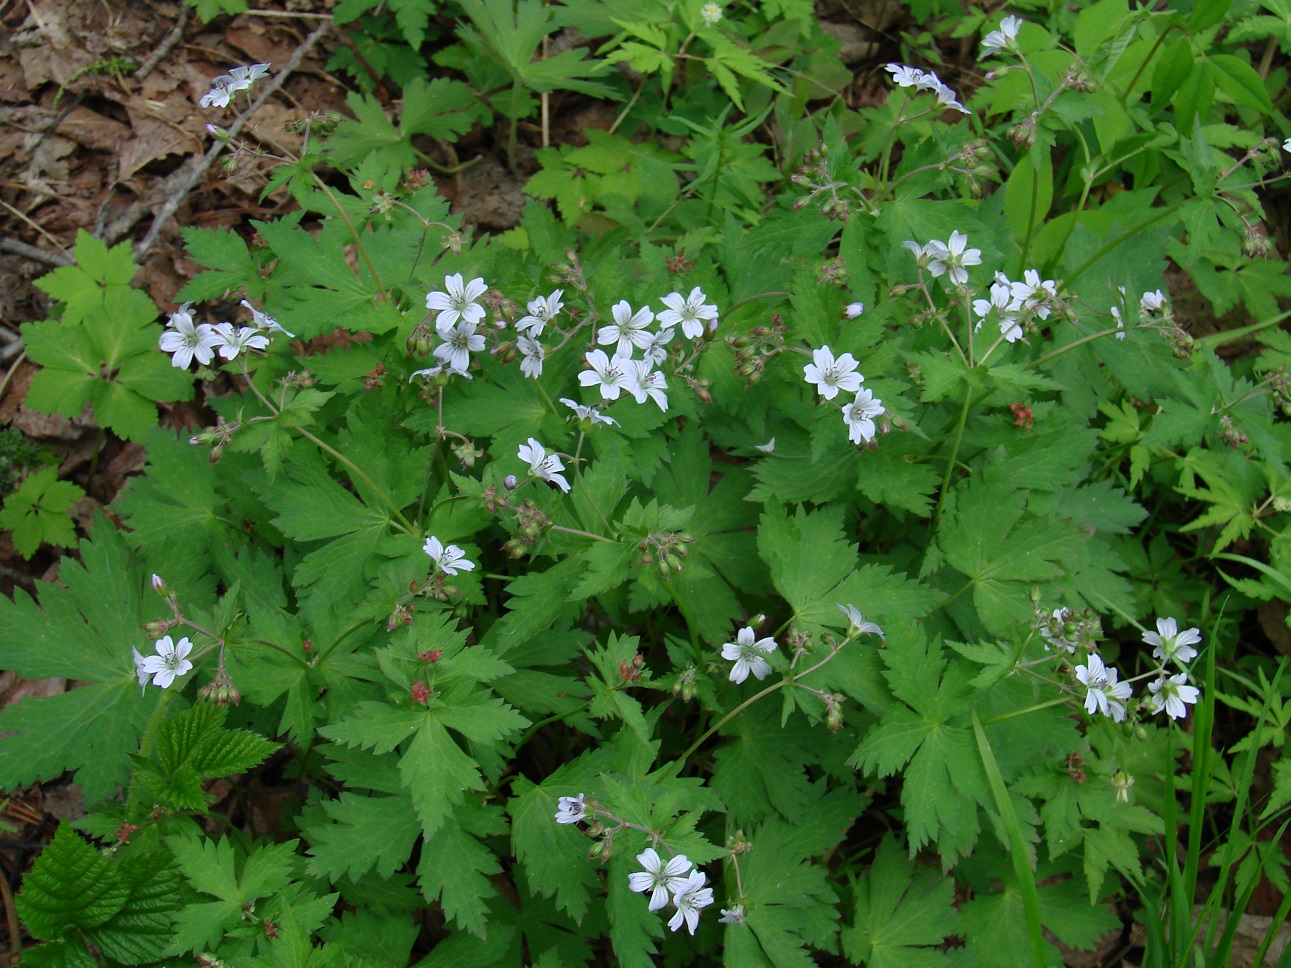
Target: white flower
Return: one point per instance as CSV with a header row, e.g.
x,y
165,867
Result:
x,y
571,810
710,14
457,303
1001,301
450,560
831,375
611,375
627,330
767,448
648,382
170,662
1104,694
1169,644
186,341
904,76
948,98
542,465
226,85
951,257
857,623
852,310
690,897
1006,38
734,915
922,253
460,341
431,371
1171,693
859,416
532,353
691,313
658,878
748,655
1151,302
656,350
541,311
264,321
1034,293
140,669
1120,323
229,341
590,414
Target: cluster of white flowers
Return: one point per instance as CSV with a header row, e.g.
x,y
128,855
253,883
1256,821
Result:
x,y
1171,694
619,371
904,76
832,374
187,341
1010,301
457,324
675,880
226,85
449,559
170,662
1150,304
949,258
1006,38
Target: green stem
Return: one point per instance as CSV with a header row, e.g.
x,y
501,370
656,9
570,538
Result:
x,y
954,451
404,523
354,234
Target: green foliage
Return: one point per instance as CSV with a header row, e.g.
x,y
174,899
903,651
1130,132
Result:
x,y
36,512
906,459
102,351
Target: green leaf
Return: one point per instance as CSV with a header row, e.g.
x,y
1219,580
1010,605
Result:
x,y
141,930
1238,80
211,867
198,739
71,886
36,512
361,833
456,867
902,917
228,264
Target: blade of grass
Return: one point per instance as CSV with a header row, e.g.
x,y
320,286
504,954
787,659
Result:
x,y
1017,846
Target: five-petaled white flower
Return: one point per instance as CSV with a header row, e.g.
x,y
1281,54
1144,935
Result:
x,y
1104,694
450,560
571,809
648,382
460,341
748,655
590,414
852,310
170,662
627,330
857,624
690,897
710,14
542,465
831,375
611,375
226,85
1006,38
541,311
229,342
904,76
1152,302
659,878
859,416
457,303
655,352
1169,644
1171,693
532,353
691,313
264,321
186,341
951,257
1003,303
733,915
1033,293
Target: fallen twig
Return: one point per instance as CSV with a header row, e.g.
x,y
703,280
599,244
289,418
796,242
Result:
x,y
164,47
13,246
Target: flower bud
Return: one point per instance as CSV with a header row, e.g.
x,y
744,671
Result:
x,y
159,586
510,482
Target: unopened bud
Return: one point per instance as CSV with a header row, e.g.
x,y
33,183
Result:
x,y
159,586
510,482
